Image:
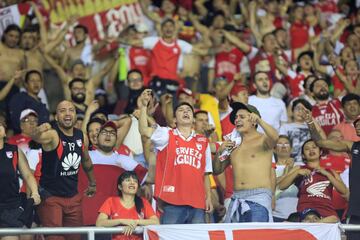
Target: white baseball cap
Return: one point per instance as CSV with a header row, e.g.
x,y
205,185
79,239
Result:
x,y
141,28
27,112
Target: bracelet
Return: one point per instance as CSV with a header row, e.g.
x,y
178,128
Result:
x,y
310,122
92,184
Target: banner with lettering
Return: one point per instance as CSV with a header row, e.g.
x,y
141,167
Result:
x,y
101,17
248,231
14,14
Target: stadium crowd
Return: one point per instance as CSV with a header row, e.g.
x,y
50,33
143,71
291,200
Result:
x,y
203,112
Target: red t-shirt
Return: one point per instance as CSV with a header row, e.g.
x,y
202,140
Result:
x,y
165,56
338,164
139,58
315,192
299,35
228,63
328,115
115,210
296,84
180,170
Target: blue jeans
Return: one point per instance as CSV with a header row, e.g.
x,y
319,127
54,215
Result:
x,y
257,213
174,214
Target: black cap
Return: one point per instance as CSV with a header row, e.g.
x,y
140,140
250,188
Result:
x,y
236,106
309,211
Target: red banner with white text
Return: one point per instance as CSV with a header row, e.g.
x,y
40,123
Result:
x,y
244,231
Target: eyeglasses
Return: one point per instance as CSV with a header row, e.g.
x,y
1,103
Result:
x,y
283,144
135,80
27,120
108,133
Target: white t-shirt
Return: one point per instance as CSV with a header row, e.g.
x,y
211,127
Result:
x,y
160,139
298,133
272,110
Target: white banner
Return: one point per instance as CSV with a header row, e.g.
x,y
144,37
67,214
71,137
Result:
x,y
244,231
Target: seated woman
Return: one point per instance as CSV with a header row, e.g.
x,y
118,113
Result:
x,y
315,184
127,209
286,201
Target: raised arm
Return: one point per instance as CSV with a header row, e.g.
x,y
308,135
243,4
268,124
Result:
x,y
144,128
46,136
40,18
6,89
237,42
219,164
28,177
58,69
123,126
92,107
88,167
271,135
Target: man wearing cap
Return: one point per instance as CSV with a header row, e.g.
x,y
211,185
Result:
x,y
108,164
310,215
352,148
182,166
33,82
272,110
251,161
327,112
63,149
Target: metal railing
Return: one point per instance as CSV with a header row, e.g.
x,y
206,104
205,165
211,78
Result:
x,y
91,231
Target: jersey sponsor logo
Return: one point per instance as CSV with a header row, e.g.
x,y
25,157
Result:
x,y
188,156
9,154
327,119
168,188
79,142
317,189
72,160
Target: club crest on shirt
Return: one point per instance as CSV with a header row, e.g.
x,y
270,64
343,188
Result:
x,y
175,50
63,143
199,146
9,154
356,151
78,142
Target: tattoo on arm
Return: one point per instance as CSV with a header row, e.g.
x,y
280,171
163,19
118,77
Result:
x,y
314,132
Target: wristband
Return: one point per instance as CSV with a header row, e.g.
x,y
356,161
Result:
x,y
92,184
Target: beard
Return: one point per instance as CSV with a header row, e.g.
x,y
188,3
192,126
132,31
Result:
x,y
78,98
105,149
322,95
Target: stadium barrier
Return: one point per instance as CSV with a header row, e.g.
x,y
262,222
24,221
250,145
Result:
x,y
91,231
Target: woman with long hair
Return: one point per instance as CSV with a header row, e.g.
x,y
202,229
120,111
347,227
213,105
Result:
x,y
315,183
127,209
13,160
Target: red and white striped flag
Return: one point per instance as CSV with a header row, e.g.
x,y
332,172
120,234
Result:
x,y
244,231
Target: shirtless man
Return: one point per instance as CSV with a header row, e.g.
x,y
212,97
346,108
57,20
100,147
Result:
x,y
11,57
251,162
76,52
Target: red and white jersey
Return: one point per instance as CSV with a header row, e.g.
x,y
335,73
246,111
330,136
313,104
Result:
x,y
227,63
181,166
299,35
165,56
328,115
295,82
125,162
139,58
315,192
